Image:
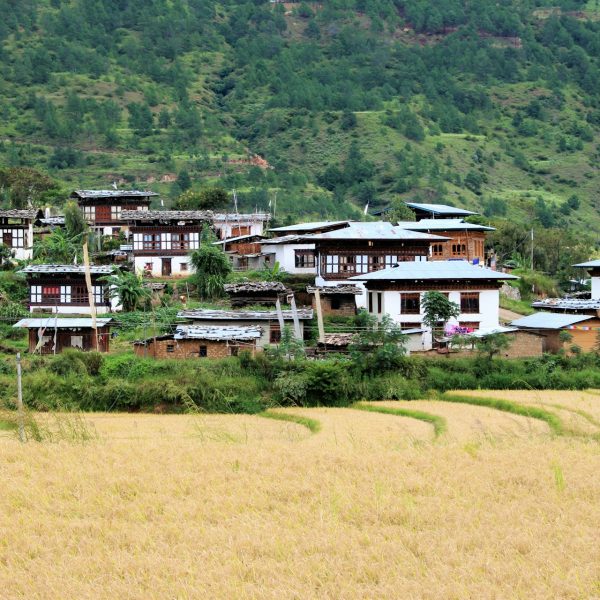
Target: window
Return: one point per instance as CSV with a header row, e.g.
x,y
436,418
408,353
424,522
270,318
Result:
x,y
335,303
410,304
346,264
437,249
240,230
275,333
103,213
459,249
469,302
203,351
151,241
170,347
50,293
183,266
407,325
148,267
115,213
375,302
89,213
234,350
376,263
304,259
469,325
79,294
180,241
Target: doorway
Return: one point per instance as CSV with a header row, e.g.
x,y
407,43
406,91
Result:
x,y
166,267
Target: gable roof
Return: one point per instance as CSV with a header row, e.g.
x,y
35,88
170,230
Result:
x,y
166,215
202,314
440,209
443,225
589,264
433,270
53,323
547,320
375,230
21,213
77,269
312,226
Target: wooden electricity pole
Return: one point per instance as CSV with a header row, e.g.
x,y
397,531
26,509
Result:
x,y
20,408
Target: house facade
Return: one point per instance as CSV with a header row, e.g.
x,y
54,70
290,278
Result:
x,y
593,268
163,239
51,335
16,231
197,342
293,253
102,208
337,300
62,289
230,225
244,251
398,292
267,321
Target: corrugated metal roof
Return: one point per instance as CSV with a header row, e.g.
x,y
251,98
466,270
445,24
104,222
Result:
x,y
315,225
440,209
547,320
484,332
239,238
289,239
253,217
589,263
50,269
443,225
567,304
433,270
166,215
242,315
88,194
52,322
186,332
375,230
58,220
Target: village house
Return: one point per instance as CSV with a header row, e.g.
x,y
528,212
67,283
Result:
x,y
397,291
52,335
582,329
336,299
244,251
295,254
102,208
593,268
232,225
62,289
247,293
16,231
196,341
163,239
268,321
466,241
438,211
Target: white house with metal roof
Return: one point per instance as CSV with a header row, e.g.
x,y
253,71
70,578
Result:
x,y
398,291
294,253
593,268
435,211
16,231
230,225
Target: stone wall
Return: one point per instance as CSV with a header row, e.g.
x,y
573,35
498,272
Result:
x,y
182,349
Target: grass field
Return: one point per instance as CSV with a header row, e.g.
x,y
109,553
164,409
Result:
x,y
370,505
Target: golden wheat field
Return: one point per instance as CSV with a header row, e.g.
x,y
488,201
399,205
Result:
x,y
370,506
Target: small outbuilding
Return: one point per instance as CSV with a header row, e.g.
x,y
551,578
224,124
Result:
x,y
52,335
192,341
254,292
336,299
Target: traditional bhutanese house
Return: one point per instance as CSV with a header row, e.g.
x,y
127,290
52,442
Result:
x,y
16,231
466,240
195,341
438,211
593,268
255,292
62,289
268,321
363,248
397,291
102,208
230,225
163,239
583,329
244,251
336,299
52,335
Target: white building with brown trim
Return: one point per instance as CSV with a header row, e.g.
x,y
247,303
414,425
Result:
x,y
163,239
593,268
230,225
398,292
16,231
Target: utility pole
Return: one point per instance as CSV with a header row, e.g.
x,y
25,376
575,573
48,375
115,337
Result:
x,y
532,248
319,315
20,400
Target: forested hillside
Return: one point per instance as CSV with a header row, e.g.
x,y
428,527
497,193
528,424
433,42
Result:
x,y
493,105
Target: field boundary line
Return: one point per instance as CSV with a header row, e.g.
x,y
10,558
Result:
x,y
439,423
312,425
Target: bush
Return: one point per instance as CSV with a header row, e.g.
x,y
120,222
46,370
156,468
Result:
x,y
69,361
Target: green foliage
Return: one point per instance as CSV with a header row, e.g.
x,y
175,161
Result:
x,y
58,248
210,198
438,310
211,267
489,346
128,288
75,224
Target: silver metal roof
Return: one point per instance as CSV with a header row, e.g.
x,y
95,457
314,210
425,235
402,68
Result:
x,y
186,332
289,239
242,315
85,194
433,270
547,320
440,209
52,322
315,225
375,230
573,304
589,263
443,225
79,269
58,220
166,215
239,238
248,217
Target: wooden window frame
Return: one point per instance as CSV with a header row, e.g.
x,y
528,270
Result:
x,y
406,301
470,303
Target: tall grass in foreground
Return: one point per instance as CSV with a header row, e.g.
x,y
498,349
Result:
x,y
312,425
439,423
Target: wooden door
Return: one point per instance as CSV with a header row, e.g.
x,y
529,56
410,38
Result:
x,y
7,239
166,267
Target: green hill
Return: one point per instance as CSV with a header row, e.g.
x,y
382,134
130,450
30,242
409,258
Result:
x,y
490,105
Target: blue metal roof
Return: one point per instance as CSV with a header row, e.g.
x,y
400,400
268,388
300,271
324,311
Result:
x,y
546,320
440,209
443,225
589,264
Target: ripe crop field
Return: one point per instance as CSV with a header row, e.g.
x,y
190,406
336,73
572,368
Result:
x,y
364,505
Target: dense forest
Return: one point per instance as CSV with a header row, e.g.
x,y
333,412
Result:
x,y
322,107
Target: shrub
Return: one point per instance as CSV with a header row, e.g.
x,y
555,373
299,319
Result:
x,y
69,361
